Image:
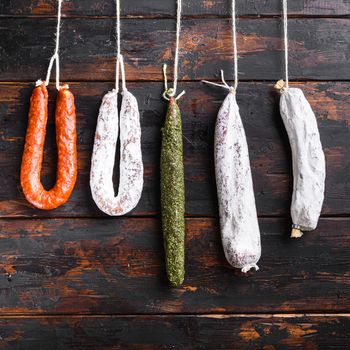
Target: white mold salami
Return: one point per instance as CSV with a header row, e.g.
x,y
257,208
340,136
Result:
x,y
103,156
238,217
308,160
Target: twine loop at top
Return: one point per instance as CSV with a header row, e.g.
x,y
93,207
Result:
x,y
224,85
55,57
171,92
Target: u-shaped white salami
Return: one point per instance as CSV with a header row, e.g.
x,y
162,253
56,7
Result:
x,y
238,217
103,156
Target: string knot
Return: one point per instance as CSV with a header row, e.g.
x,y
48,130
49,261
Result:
x,y
169,92
281,86
224,84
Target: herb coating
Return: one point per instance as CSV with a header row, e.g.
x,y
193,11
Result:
x,y
173,195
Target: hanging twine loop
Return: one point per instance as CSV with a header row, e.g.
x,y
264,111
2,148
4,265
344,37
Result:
x,y
120,64
224,85
119,59
171,92
282,85
55,57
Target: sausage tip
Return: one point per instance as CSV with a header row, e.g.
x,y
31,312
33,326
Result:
x,y
296,233
248,267
280,85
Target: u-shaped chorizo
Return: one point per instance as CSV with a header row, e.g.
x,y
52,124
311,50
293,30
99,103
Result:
x,y
66,138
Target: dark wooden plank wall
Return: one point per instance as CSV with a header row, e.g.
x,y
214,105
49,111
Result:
x,y
74,278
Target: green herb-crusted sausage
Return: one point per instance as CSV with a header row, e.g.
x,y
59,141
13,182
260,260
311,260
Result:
x,y
173,195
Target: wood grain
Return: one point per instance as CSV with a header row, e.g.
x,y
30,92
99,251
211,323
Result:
x,y
205,332
75,279
267,139
318,49
116,266
167,7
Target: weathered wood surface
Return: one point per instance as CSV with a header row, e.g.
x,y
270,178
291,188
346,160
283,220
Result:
x,y
167,7
58,273
268,144
318,48
116,266
206,332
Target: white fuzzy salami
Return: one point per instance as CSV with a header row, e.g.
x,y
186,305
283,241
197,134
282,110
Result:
x,y
308,160
309,169
103,156
238,217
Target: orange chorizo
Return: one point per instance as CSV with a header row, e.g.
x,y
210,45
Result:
x,y
66,137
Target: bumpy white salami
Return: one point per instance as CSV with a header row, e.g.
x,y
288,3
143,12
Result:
x,y
103,156
309,169
238,217
308,160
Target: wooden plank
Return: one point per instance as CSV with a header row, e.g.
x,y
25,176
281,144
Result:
x,y
268,143
317,48
167,8
205,332
116,266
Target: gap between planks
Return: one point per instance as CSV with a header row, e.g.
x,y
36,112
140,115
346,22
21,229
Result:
x,y
250,81
163,315
184,17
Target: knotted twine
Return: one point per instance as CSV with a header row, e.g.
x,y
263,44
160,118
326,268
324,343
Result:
x,y
283,85
55,57
235,55
120,59
171,92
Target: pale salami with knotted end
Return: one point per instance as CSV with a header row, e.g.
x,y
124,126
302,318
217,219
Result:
x,y
238,217
103,156
309,170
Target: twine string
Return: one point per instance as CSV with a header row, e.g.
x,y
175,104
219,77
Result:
x,y
120,59
235,57
117,10
283,85
171,92
235,51
55,57
285,31
224,84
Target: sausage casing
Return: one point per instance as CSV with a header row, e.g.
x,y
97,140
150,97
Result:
x,y
173,195
309,167
238,216
103,155
66,139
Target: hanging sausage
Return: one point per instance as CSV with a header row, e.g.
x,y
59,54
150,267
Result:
x,y
240,232
66,139
106,136
172,176
309,170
